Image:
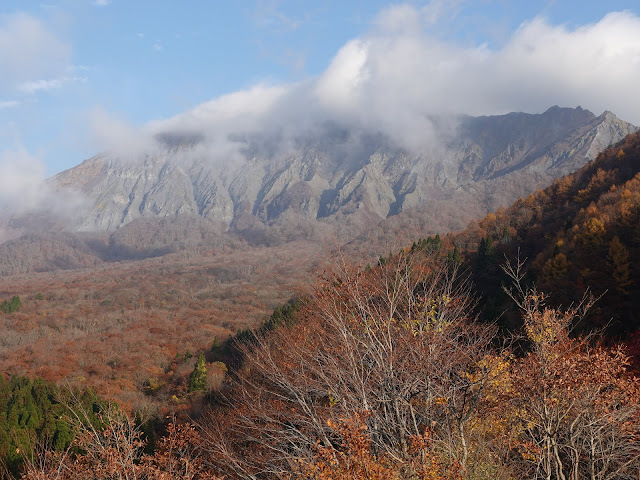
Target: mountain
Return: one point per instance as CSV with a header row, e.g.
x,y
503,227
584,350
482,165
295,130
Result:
x,y
110,308
341,175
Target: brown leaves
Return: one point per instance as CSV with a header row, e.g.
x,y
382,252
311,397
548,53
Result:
x,y
354,458
115,452
574,407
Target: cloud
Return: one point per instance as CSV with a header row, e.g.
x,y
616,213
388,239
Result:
x,y
108,132
21,176
23,188
267,14
102,3
33,86
396,79
4,104
41,54
223,124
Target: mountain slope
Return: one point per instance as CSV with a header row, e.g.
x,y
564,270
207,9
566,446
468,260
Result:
x,y
583,232
340,174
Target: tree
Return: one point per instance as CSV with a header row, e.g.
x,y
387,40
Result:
x,y
573,406
619,260
10,306
354,460
114,450
395,345
198,378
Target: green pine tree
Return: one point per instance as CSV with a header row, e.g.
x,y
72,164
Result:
x,y
10,306
198,379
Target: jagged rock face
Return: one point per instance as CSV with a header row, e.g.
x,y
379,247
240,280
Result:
x,y
319,181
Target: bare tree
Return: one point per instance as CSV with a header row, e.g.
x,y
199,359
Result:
x,y
575,404
112,449
397,343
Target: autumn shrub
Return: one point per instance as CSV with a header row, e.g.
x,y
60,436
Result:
x,y
115,452
572,406
353,458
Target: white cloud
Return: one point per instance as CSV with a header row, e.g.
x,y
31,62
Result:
x,y
408,76
33,86
21,176
4,104
23,188
107,131
340,86
102,3
397,78
29,50
269,15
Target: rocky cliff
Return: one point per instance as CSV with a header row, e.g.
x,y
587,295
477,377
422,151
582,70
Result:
x,y
337,176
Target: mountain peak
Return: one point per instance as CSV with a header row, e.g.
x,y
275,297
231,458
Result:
x,y
341,178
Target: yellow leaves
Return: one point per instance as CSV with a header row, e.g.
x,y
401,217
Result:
x,y
542,328
442,401
595,226
593,231
431,316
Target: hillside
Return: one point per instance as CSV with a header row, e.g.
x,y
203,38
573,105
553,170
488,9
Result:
x,y
160,285
132,329
119,325
581,232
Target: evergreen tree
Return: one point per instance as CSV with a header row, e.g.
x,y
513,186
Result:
x,y
619,260
10,306
198,379
15,303
33,411
453,256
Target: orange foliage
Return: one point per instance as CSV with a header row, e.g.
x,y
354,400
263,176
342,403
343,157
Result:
x,y
354,458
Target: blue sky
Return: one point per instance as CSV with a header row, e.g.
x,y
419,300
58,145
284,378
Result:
x,y
76,71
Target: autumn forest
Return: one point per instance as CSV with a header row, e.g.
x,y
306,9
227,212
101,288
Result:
x,y
509,350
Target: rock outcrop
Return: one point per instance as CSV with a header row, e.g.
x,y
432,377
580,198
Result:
x,y
320,178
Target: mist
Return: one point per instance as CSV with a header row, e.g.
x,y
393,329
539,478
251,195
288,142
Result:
x,y
397,83
400,82
24,189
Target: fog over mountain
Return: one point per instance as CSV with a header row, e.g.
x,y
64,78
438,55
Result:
x,y
397,78
396,99
338,173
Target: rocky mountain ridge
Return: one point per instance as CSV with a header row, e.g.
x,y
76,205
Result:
x,y
328,179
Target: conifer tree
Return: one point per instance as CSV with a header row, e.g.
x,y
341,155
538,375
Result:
x,y
198,379
619,259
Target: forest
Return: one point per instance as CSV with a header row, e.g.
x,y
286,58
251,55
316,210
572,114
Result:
x,y
507,351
